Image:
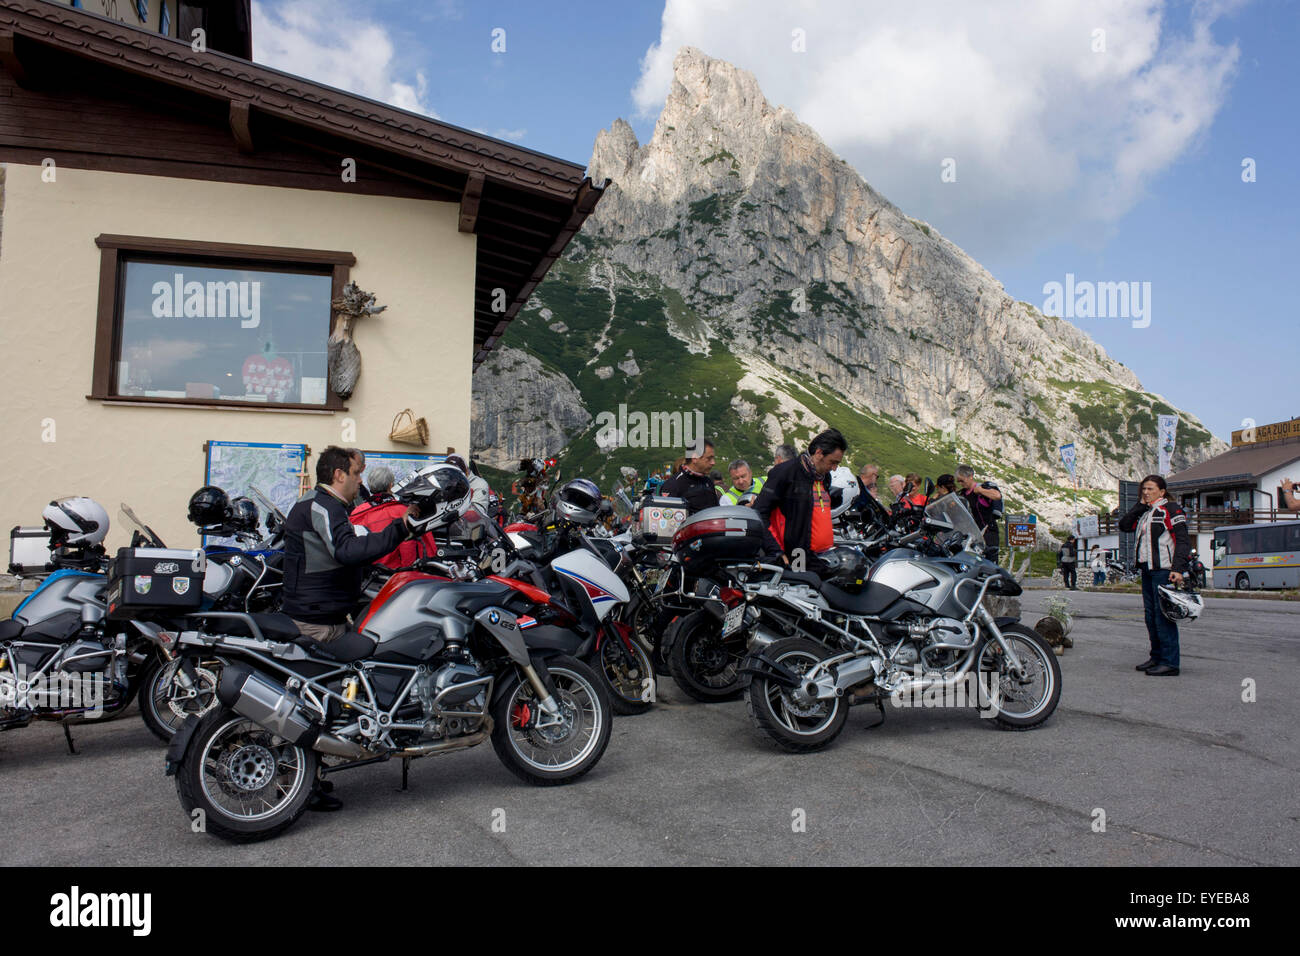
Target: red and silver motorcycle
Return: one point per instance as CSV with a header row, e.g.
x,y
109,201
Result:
x,y
434,665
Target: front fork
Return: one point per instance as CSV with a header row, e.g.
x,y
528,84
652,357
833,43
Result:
x,y
985,618
541,687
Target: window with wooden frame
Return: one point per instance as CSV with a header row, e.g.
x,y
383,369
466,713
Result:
x,y
215,324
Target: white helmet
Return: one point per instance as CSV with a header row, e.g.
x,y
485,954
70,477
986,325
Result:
x,y
80,521
441,492
1179,605
843,481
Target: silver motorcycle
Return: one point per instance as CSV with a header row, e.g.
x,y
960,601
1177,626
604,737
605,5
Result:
x,y
916,629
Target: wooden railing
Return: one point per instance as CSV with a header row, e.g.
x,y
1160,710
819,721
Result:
x,y
1210,519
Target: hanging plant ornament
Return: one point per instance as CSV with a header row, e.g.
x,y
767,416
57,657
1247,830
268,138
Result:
x,y
344,357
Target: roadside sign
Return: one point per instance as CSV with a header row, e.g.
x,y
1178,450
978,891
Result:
x,y
1087,527
1022,530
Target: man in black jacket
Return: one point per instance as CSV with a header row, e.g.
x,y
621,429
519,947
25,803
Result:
x,y
325,554
1162,551
796,501
692,484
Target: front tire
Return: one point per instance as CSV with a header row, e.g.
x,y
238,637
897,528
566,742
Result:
x,y
1020,703
561,753
702,664
797,726
1243,581
631,687
249,784
161,709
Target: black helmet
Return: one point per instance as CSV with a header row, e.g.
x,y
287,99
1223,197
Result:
x,y
579,501
243,514
208,506
440,492
844,565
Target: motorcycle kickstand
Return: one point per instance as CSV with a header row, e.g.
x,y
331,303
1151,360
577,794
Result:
x,y
406,769
880,706
67,734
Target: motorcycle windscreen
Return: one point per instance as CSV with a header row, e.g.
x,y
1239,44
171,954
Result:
x,y
601,586
951,510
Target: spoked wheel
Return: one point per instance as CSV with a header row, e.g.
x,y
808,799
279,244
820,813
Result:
x,y
548,750
249,783
704,665
788,715
165,702
631,683
1021,701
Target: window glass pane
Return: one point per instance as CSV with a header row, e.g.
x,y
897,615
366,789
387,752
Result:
x,y
1240,542
201,331
1270,539
1293,537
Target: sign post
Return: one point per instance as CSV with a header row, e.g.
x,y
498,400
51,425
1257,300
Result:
x,y
1022,532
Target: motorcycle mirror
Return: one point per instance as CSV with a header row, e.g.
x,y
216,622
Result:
x,y
929,487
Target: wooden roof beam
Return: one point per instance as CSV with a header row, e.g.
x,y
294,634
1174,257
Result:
x,y
241,115
469,200
10,61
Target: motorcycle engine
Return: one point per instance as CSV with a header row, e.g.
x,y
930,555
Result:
x,y
449,709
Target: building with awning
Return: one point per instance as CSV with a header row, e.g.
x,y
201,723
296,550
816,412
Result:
x,y
174,226
1244,483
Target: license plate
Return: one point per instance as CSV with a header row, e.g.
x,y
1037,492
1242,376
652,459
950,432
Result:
x,y
735,617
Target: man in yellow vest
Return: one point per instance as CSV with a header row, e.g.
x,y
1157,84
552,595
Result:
x,y
743,483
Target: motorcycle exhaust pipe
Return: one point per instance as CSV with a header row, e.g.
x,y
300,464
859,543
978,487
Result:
x,y
268,703
458,743
926,683
761,637
338,747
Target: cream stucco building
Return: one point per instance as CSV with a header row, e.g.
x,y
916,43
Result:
x,y
122,170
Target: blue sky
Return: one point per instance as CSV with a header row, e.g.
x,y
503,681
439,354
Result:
x,y
1114,164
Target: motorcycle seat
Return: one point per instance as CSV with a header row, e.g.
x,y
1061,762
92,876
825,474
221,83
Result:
x,y
10,629
274,627
351,646
802,577
872,599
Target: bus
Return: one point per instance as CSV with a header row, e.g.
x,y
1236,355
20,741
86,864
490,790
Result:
x,y
1257,556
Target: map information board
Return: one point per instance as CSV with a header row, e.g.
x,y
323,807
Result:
x,y
236,466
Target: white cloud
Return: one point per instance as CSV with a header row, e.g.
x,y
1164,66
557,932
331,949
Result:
x,y
327,41
1049,137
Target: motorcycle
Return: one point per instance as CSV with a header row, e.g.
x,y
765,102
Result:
x,y
599,602
919,624
63,657
246,578
435,665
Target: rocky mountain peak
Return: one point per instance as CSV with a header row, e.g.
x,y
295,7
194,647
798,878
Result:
x,y
767,253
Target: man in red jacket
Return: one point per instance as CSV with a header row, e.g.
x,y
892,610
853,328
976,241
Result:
x,y
379,512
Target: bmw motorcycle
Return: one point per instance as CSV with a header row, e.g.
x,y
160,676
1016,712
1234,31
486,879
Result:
x,y
613,646
435,665
248,577
918,625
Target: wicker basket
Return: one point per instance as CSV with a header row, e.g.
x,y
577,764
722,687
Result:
x,y
409,430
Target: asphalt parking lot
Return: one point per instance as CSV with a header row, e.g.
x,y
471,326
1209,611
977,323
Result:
x,y
1186,772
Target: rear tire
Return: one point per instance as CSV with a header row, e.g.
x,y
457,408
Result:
x,y
235,761
527,750
702,665
795,727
